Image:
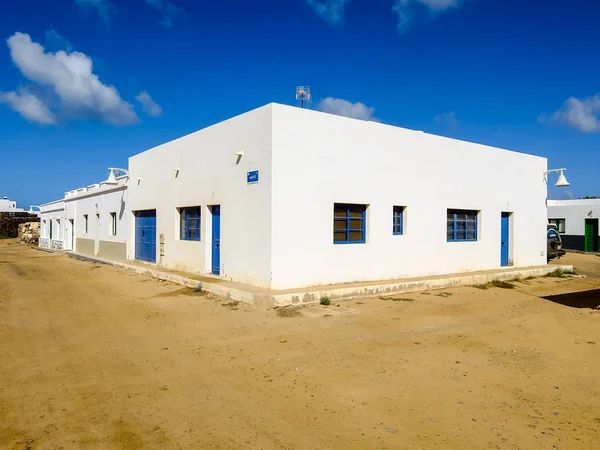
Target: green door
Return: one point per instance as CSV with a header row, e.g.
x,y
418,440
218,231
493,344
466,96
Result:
x,y
591,235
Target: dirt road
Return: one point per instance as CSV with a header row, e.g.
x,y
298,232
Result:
x,y
92,357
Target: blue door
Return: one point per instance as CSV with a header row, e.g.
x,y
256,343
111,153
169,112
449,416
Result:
x,y
216,239
504,239
145,235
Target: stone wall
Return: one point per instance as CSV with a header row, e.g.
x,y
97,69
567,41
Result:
x,y
29,232
9,223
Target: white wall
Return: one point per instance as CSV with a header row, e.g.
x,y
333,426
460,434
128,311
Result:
x,y
52,212
209,175
321,159
574,212
102,201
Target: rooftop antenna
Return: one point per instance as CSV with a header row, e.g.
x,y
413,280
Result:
x,y
302,94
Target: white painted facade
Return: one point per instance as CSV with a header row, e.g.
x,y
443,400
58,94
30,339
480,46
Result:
x,y
210,174
9,206
52,223
278,233
106,233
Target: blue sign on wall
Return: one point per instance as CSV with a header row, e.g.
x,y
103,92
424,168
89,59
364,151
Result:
x,y
252,177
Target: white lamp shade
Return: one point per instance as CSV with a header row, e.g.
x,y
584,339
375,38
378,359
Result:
x,y
111,178
562,181
30,210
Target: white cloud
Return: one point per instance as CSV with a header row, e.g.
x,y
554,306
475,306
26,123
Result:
x,y
330,10
448,119
406,9
149,106
103,7
347,109
581,114
78,91
168,9
29,106
54,41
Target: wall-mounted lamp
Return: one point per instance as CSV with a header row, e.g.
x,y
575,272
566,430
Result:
x,y
562,180
239,156
112,177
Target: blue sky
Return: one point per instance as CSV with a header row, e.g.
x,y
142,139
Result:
x,y
86,83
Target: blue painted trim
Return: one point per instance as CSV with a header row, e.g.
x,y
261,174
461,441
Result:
x,y
347,228
462,212
398,220
187,214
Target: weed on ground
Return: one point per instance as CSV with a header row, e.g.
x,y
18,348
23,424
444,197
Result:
x,y
502,284
397,299
231,305
288,312
559,273
481,286
444,294
325,301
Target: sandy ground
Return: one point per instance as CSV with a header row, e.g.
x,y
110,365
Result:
x,y
92,357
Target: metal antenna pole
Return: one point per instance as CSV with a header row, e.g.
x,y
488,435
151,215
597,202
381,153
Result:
x,y
302,93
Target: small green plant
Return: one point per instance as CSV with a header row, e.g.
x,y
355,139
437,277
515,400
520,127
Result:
x,y
325,301
198,288
397,299
559,273
481,286
444,294
502,284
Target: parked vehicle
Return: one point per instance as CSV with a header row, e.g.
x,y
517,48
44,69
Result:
x,y
554,249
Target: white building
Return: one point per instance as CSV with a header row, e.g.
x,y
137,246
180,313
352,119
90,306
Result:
x,y
91,221
577,222
9,206
282,197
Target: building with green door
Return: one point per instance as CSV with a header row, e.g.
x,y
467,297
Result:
x,y
577,222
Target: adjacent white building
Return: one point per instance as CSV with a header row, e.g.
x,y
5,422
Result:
x,y
282,197
577,222
90,221
9,206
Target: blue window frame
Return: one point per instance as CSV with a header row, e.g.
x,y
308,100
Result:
x,y
190,223
461,225
398,220
349,223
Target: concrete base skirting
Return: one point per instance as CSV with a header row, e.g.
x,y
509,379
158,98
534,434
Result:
x,y
258,296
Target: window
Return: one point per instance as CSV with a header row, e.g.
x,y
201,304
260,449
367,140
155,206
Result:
x,y
461,225
50,228
349,223
85,223
560,224
398,220
113,223
189,223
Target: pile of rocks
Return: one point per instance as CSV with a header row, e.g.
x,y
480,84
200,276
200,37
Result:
x,y
29,232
